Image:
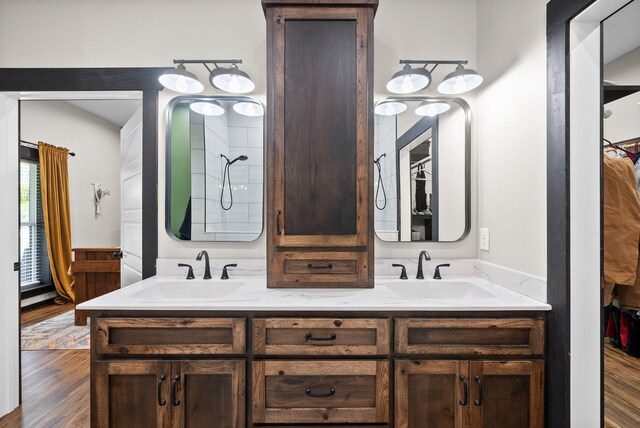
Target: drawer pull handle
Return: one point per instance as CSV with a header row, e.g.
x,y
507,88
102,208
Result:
x,y
478,402
309,337
311,266
465,398
161,402
310,393
174,390
278,229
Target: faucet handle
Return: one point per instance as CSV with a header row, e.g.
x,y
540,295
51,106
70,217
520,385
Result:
x,y
190,274
403,274
436,274
225,274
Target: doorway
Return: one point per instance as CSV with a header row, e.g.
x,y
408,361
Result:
x,y
14,82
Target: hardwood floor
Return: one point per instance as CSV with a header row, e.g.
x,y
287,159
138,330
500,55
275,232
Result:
x,y
621,389
55,383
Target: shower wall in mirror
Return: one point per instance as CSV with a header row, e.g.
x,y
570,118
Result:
x,y
215,168
422,169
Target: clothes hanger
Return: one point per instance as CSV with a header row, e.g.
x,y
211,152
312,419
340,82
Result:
x,y
630,155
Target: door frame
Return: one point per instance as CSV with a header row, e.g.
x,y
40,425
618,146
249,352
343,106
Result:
x,y
143,79
558,403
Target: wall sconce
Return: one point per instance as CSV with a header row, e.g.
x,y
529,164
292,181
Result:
x,y
410,80
230,79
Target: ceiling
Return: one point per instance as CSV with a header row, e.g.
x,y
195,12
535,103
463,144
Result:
x,y
622,32
117,112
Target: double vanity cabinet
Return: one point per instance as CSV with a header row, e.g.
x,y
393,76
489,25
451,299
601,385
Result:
x,y
247,369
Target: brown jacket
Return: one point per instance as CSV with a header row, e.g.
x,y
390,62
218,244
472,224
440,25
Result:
x,y
621,224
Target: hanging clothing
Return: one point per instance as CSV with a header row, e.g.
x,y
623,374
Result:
x,y
54,188
421,194
621,222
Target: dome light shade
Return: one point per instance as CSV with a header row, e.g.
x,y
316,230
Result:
x,y
207,108
460,81
248,108
409,80
180,80
432,109
231,80
390,108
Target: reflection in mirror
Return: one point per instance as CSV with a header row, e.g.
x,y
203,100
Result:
x,y
422,170
215,168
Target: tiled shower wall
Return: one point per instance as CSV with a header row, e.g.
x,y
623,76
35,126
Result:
x,y
386,220
232,135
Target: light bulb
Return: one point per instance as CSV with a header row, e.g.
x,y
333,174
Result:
x,y
181,84
431,110
388,110
234,84
406,85
251,110
460,85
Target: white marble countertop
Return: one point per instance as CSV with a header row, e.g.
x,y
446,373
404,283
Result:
x,y
251,294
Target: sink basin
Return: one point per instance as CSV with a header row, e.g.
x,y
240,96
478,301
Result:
x,y
181,290
440,290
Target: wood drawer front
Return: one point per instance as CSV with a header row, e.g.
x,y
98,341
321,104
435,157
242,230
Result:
x,y
190,336
320,392
519,336
321,269
321,336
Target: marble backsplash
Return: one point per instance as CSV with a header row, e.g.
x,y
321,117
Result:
x,y
520,282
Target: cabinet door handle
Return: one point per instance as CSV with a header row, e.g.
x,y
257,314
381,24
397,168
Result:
x,y
278,230
332,391
478,402
174,390
309,337
465,397
117,255
312,266
161,402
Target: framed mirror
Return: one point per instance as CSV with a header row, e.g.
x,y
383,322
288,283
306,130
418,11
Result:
x,y
214,164
422,166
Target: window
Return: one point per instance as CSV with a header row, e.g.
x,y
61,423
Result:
x,y
34,260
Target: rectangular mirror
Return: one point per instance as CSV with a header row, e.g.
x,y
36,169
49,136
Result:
x,y
215,175
422,169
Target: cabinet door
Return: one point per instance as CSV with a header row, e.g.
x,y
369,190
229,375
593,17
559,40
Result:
x,y
208,394
318,126
432,394
131,394
507,394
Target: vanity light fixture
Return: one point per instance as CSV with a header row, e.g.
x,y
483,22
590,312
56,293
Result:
x,y
430,109
248,108
390,108
180,80
230,79
410,80
207,108
460,81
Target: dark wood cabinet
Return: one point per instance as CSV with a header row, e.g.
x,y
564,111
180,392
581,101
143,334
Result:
x,y
177,394
443,394
319,143
96,272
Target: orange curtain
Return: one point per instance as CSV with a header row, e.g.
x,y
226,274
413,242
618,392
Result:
x,y
54,187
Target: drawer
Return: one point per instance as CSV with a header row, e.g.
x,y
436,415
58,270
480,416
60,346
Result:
x,y
484,336
191,336
320,336
320,269
320,392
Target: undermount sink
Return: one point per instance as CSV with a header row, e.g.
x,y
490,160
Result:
x,y
440,290
181,290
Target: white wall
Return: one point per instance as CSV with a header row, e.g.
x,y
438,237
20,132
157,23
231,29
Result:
x,y
624,123
96,143
510,129
624,70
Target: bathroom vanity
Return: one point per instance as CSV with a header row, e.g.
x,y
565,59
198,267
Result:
x,y
457,352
